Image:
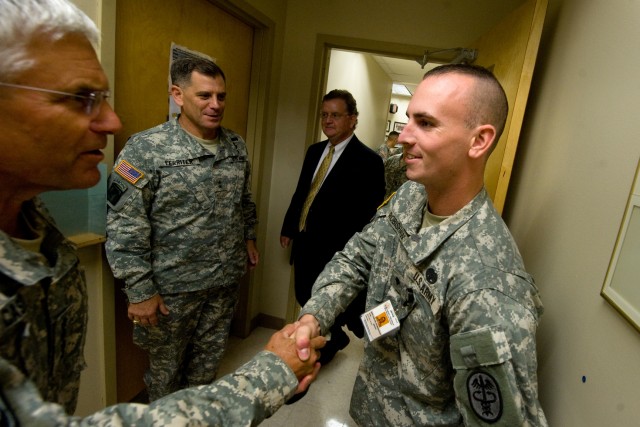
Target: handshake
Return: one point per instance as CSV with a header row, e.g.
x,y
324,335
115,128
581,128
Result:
x,y
298,345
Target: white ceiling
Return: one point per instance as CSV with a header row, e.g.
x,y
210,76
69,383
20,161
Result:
x,y
403,71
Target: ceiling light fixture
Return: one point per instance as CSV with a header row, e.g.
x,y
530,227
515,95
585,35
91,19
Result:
x,y
400,89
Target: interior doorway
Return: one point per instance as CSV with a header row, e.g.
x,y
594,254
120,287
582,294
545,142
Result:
x,y
377,82
509,48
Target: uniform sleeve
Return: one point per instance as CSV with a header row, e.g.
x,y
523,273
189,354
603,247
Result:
x,y
128,246
342,278
245,397
248,207
493,353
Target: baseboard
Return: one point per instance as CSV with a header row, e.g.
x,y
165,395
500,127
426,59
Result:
x,y
267,321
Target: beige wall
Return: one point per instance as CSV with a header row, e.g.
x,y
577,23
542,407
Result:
x,y
574,169
361,75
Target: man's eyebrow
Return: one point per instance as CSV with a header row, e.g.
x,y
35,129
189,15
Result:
x,y
90,88
89,82
421,115
211,93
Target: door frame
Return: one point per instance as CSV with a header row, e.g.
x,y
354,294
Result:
x,y
261,120
324,44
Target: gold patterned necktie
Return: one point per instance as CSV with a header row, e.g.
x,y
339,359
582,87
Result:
x,y
315,186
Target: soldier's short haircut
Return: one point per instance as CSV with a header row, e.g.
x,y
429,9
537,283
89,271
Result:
x,y
488,103
181,70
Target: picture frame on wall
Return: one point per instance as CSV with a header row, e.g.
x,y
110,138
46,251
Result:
x,y
388,126
398,126
620,287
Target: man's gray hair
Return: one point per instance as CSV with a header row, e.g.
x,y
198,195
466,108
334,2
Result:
x,y
22,20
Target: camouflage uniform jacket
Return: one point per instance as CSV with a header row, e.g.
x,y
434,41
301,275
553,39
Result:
x,y
245,397
465,351
395,173
385,152
178,216
43,310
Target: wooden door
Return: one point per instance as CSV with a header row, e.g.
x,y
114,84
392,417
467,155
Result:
x,y
510,49
145,30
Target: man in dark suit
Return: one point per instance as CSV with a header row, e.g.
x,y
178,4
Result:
x,y
340,186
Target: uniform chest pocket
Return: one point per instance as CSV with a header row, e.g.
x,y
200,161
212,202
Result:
x,y
228,180
402,296
185,187
12,327
383,274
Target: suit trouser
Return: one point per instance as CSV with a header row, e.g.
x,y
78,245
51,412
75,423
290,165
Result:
x,y
186,347
307,268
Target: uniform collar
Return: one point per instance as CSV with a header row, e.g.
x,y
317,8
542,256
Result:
x,y
227,148
407,208
26,267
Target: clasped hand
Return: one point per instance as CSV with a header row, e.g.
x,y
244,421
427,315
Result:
x,y
298,344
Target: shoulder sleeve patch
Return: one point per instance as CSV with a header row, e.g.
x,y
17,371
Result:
x,y
485,397
127,171
115,192
486,387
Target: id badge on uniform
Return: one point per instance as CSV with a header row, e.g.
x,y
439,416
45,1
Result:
x,y
380,321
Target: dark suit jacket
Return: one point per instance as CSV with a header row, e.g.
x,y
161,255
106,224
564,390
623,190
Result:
x,y
345,203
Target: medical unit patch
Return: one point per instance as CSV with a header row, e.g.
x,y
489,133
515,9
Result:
x,y
485,396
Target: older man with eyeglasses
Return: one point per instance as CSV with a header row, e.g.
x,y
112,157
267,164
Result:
x,y
54,122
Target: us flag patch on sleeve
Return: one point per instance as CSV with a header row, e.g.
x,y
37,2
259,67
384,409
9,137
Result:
x,y
128,172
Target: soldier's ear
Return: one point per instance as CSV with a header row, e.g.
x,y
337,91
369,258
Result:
x,y
177,94
481,141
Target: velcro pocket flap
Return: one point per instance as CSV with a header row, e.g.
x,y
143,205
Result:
x,y
483,347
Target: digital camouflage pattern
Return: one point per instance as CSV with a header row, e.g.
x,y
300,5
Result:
x,y
207,313
385,152
245,397
465,352
43,309
395,173
183,225
178,221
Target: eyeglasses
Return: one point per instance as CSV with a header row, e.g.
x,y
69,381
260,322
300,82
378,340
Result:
x,y
91,100
333,116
